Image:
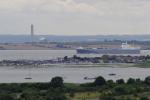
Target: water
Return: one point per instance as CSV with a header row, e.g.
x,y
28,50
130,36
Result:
x,y
75,75
72,74
34,54
45,54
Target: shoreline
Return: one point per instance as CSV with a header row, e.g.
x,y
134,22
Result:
x,y
94,65
111,65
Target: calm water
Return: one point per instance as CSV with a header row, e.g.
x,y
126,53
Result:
x,y
44,54
76,75
34,54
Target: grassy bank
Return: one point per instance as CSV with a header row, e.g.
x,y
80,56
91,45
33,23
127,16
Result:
x,y
143,64
93,65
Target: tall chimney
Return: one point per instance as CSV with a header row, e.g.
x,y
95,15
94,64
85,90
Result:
x,y
32,33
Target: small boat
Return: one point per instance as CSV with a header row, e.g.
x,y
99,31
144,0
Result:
x,y
87,78
112,74
28,78
29,75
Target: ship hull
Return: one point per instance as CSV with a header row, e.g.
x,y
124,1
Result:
x,y
107,51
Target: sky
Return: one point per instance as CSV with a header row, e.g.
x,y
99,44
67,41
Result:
x,y
75,17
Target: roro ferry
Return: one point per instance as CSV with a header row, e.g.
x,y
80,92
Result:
x,y
124,49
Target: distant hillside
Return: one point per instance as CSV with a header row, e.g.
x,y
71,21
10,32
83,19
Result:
x,y
53,38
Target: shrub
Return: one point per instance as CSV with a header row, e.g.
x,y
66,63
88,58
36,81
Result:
x,y
72,94
144,98
55,96
121,90
6,97
106,97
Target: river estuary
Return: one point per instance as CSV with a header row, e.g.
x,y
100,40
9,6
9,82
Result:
x,y
45,54
74,74
70,74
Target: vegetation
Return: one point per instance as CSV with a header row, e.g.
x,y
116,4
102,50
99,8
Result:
x,y
56,82
145,64
100,81
100,89
141,61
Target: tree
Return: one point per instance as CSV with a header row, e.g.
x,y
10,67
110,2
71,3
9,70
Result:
x,y
138,80
120,81
66,58
105,58
75,57
110,83
56,82
147,80
131,81
99,81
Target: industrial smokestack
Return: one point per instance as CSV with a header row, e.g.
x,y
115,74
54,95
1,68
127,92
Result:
x,y
32,33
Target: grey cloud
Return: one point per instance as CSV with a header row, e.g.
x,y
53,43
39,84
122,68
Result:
x,y
72,17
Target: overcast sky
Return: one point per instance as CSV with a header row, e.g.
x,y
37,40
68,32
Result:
x,y
75,17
